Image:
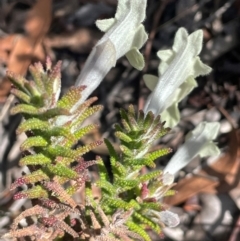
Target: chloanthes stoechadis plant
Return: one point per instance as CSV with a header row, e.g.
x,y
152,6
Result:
x,y
130,201
56,169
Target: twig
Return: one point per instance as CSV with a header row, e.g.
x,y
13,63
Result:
x,y
189,10
153,32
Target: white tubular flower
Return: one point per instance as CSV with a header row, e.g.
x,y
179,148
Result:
x,y
198,142
177,71
124,36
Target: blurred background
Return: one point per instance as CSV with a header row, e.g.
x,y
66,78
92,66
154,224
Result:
x,y
208,190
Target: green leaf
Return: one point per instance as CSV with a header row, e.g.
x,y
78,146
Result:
x,y
125,184
24,109
84,130
148,222
38,159
102,171
62,171
70,98
111,149
149,176
32,124
21,95
107,187
123,137
34,141
35,192
159,153
139,230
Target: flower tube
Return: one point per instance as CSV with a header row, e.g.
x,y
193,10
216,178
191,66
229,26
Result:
x,y
124,35
198,142
178,70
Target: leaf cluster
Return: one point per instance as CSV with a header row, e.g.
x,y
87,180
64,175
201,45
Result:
x,y
51,152
131,188
129,201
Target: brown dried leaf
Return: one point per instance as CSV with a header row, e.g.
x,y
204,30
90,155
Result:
x,y
39,20
22,53
6,44
80,41
24,48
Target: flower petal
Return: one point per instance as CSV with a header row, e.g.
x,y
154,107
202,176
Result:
x,y
124,35
177,71
105,24
171,115
198,142
150,81
135,58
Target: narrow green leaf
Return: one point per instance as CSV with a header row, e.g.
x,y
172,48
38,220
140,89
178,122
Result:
x,y
156,154
122,136
84,130
32,124
150,176
148,120
34,141
111,149
24,109
148,222
35,192
38,159
102,170
21,96
62,171
139,230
